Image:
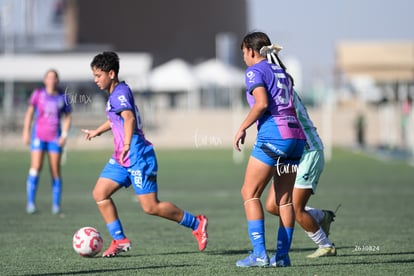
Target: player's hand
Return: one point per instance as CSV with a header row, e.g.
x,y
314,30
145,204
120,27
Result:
x,y
62,141
90,133
26,138
123,154
239,139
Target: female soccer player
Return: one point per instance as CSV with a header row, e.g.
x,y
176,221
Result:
x,y
133,161
47,106
277,150
315,222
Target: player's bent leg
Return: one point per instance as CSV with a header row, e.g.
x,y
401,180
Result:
x,y
102,192
310,225
152,206
305,220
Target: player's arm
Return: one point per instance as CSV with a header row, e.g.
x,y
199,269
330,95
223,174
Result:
x,y
27,124
257,110
129,125
67,121
98,131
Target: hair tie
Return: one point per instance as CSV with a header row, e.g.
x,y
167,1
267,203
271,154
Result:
x,y
270,52
273,48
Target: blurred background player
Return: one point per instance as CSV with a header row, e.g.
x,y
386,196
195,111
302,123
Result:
x,y
278,147
315,222
48,106
133,162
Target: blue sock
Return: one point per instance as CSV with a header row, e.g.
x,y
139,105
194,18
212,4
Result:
x,y
115,229
257,236
31,187
284,240
56,191
189,221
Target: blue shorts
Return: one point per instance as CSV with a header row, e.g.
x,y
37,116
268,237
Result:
x,y
142,174
51,146
278,152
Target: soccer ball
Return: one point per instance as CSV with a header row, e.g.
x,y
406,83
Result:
x,y
87,241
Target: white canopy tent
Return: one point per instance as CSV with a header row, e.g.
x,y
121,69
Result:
x,y
220,82
173,77
214,72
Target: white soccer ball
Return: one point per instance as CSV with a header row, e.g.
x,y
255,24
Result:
x,y
87,241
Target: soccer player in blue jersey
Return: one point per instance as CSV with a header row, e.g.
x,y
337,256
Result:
x,y
48,108
132,163
277,150
315,222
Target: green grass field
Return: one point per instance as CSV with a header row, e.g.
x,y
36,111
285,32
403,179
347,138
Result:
x,y
373,230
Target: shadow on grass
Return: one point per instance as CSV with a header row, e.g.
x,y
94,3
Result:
x,y
359,253
244,251
114,270
357,263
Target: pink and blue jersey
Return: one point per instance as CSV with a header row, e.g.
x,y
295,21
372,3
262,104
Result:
x,y
48,113
119,100
280,120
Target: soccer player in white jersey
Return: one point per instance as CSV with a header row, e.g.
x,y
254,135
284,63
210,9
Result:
x,y
315,222
133,162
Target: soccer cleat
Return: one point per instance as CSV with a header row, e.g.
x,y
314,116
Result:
x,y
254,261
323,252
116,247
283,261
325,223
31,208
201,232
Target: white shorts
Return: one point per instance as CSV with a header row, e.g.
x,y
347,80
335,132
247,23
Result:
x,y
310,169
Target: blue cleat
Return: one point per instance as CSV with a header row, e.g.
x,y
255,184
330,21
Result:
x,y
282,260
254,261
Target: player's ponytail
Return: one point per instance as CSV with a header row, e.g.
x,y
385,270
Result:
x,y
271,53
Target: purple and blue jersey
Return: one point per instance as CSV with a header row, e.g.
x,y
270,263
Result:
x,y
280,120
48,113
119,100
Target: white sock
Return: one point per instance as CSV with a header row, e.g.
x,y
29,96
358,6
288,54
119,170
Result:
x,y
320,238
317,214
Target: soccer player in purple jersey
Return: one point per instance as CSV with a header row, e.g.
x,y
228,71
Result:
x,y
133,162
315,222
48,107
278,148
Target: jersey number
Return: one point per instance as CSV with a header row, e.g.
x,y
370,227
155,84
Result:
x,y
284,97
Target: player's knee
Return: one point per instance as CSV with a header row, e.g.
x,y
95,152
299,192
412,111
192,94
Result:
x,y
247,193
98,196
150,209
299,213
